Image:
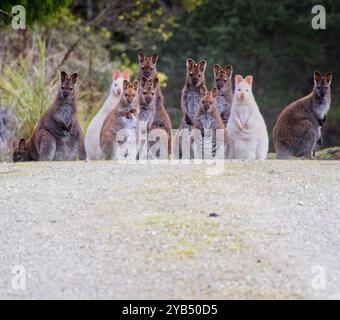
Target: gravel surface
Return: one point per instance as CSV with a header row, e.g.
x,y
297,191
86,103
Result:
x,y
170,231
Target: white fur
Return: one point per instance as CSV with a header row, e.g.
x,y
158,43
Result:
x,y
92,138
248,137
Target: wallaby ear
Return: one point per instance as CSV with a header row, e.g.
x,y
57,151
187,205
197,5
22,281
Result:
x,y
135,85
217,69
214,92
238,78
144,81
203,91
63,76
155,83
249,80
228,70
22,145
115,74
328,77
15,145
141,56
202,65
190,64
126,84
74,78
154,58
126,75
317,76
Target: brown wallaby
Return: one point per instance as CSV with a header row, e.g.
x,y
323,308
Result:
x,y
121,126
58,135
190,101
223,83
208,126
148,69
298,127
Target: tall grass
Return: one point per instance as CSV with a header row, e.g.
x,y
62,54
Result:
x,y
27,86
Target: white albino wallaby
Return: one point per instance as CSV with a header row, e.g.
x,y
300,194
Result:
x,y
92,138
248,137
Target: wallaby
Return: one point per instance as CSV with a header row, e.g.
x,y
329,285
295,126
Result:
x,y
190,101
23,151
92,138
223,83
146,100
208,133
58,135
247,132
298,128
9,125
121,126
161,124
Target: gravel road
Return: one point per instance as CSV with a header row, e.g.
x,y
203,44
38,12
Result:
x,y
170,231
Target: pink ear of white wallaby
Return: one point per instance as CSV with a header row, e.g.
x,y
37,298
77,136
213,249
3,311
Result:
x,y
115,74
249,80
238,79
125,75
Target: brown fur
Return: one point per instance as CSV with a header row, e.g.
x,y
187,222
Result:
x,y
58,135
223,83
298,127
118,120
148,68
208,117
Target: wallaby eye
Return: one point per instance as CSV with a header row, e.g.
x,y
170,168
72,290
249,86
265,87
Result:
x,y
247,90
144,92
126,95
239,90
191,74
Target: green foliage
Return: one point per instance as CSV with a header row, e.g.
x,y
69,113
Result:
x,y
41,11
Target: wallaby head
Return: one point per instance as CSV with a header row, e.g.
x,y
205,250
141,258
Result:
x,y
20,151
322,84
147,65
243,88
67,85
117,81
208,99
223,77
195,73
147,90
127,105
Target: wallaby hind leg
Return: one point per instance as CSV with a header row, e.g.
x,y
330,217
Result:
x,y
282,152
47,147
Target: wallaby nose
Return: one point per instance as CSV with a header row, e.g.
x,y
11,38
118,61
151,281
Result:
x,y
119,92
66,94
206,107
148,99
242,96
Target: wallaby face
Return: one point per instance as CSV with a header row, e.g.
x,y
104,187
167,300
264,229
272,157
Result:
x,y
20,151
117,82
195,73
128,98
148,90
322,84
243,88
67,85
148,65
208,102
223,77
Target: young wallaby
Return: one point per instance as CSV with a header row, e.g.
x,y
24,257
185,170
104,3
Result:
x,y
146,100
92,138
161,121
190,101
121,126
223,83
247,132
298,128
58,135
23,151
210,134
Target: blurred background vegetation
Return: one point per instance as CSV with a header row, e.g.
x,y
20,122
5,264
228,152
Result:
x,y
273,40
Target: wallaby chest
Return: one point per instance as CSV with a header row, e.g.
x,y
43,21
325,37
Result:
x,y
193,99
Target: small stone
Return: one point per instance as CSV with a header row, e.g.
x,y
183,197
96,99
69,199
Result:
x,y
214,215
